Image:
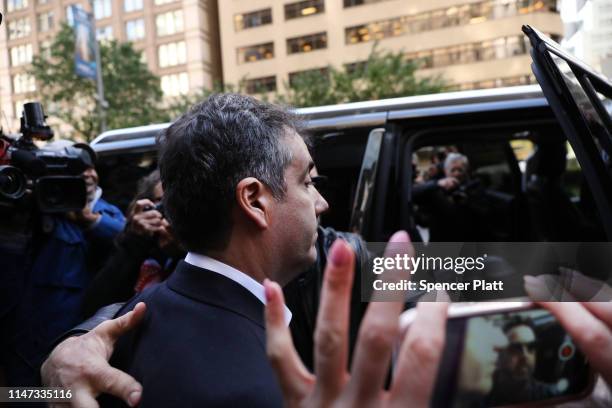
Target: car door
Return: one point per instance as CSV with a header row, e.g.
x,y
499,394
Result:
x,y
371,195
580,99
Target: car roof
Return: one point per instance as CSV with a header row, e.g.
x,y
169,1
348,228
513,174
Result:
x,y
359,114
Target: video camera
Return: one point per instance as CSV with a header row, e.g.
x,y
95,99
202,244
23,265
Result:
x,y
43,179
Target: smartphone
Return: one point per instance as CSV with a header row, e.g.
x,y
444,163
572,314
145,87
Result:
x,y
505,354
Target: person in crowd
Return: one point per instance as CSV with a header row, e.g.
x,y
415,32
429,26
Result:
x,y
146,252
514,379
455,167
265,226
238,193
452,207
65,256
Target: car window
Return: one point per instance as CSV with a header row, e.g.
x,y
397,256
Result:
x,y
119,175
465,191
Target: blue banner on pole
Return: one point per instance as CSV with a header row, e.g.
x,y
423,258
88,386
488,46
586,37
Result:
x,y
84,43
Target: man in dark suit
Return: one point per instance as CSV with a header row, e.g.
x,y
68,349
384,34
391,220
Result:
x,y
238,193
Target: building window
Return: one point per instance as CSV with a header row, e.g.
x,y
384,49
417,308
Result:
x,y
260,85
255,52
70,15
448,17
104,33
253,19
19,28
304,8
42,2
322,73
351,3
23,83
175,84
499,48
12,5
172,54
132,5
135,30
21,54
169,23
45,21
307,43
103,8
160,2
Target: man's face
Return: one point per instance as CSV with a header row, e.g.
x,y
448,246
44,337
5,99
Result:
x,y
457,169
91,181
521,352
294,218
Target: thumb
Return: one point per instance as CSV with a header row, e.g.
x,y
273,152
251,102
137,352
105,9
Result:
x,y
111,330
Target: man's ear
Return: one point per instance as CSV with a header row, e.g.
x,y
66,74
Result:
x,y
254,201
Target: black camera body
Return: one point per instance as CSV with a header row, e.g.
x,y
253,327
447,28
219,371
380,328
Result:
x,y
45,180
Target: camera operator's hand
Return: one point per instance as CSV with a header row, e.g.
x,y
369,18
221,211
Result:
x,y
81,364
85,218
143,220
331,385
448,183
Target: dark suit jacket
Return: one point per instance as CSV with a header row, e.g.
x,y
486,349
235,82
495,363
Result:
x,y
202,344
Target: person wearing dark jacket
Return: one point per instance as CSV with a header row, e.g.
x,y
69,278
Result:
x,y
145,252
115,283
64,259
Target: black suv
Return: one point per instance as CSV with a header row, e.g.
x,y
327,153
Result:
x,y
531,184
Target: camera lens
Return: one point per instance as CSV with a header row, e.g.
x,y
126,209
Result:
x,y
12,182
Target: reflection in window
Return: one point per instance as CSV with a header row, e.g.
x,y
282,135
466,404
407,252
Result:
x,y
172,54
260,85
12,5
23,83
19,28
132,5
307,43
22,54
449,17
304,9
255,53
102,8
175,84
45,21
135,29
169,23
253,19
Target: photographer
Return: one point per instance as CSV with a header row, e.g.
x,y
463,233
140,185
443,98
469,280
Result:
x,y
451,206
64,256
145,252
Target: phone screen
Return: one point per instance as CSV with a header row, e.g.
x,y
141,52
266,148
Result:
x,y
509,358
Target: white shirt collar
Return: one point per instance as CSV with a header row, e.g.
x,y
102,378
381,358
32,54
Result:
x,y
241,278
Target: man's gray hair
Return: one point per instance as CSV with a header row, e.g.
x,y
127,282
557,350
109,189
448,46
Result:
x,y
453,157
